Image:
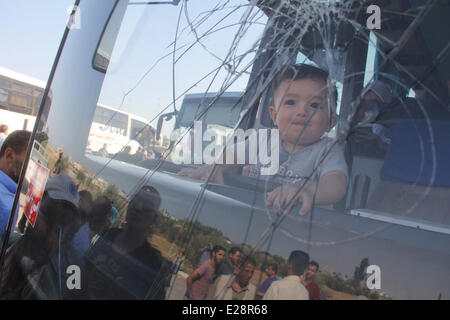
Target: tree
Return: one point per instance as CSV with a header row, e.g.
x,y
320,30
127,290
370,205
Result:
x,y
81,176
360,271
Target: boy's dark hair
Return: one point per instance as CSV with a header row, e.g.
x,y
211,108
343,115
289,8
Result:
x,y
233,250
304,71
315,264
299,261
18,141
246,260
274,267
216,249
100,211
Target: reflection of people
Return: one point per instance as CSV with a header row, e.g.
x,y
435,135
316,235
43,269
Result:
x,y
122,264
151,154
12,156
103,152
81,240
290,288
125,155
235,286
180,258
58,164
230,266
312,169
271,272
307,280
99,218
30,272
199,281
205,253
140,155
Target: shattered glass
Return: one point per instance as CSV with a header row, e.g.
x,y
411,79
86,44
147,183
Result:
x,y
177,89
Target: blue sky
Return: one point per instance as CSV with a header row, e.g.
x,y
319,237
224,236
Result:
x,y
30,32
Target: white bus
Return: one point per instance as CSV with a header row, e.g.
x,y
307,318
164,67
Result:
x,y
20,98
116,129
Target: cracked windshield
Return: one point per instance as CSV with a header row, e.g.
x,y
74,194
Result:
x,y
235,149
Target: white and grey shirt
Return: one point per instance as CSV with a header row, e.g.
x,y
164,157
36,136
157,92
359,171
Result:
x,y
308,164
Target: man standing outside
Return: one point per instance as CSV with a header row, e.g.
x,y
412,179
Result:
x,y
308,280
232,265
199,282
205,253
290,288
12,156
271,272
235,287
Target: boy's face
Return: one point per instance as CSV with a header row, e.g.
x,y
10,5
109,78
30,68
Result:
x,y
310,272
294,104
246,273
269,271
235,258
218,256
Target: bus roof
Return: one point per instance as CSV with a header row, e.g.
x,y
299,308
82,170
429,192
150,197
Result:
x,y
133,116
22,78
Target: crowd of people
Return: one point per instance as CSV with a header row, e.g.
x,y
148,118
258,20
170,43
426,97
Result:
x,y
229,278
126,154
74,230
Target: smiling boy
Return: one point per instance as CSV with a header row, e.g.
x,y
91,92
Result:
x,y
312,166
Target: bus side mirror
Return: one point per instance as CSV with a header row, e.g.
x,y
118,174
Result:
x,y
165,116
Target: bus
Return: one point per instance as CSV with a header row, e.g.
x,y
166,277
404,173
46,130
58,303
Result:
x,y
20,98
114,129
217,112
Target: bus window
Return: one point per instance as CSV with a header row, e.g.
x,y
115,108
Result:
x,y
20,98
372,195
223,112
153,82
142,132
109,127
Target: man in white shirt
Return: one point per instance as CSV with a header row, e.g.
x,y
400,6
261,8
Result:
x,y
290,288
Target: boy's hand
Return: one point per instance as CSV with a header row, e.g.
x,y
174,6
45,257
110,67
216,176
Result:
x,y
331,188
203,173
303,279
284,194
